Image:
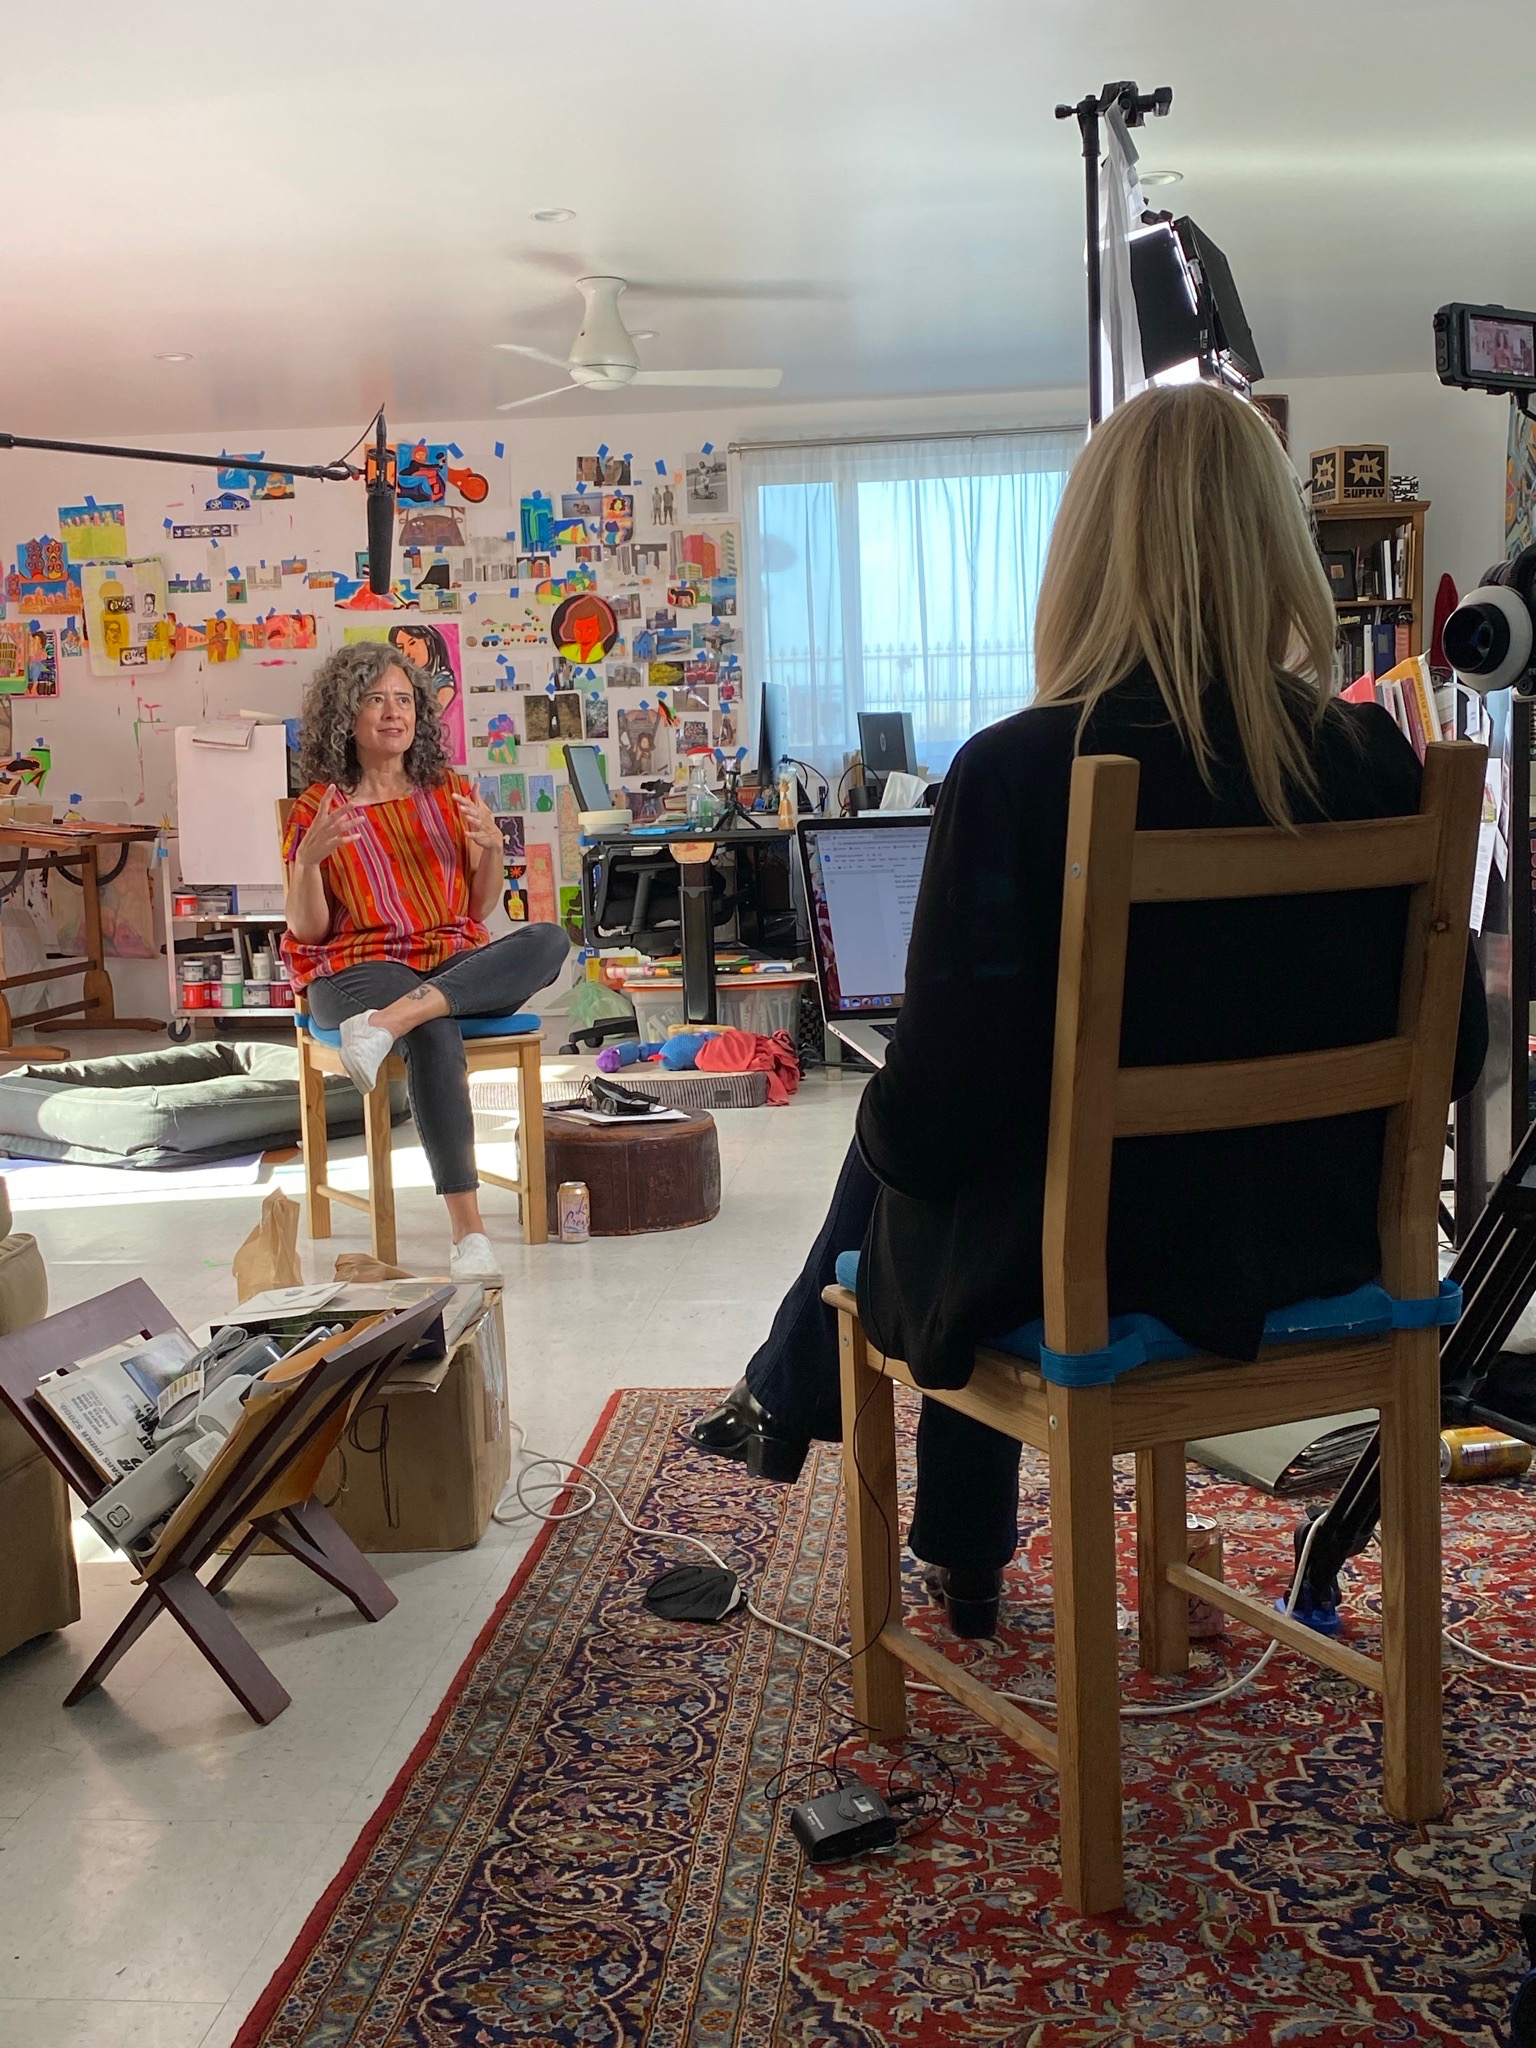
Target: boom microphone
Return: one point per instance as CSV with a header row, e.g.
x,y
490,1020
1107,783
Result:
x,y
380,484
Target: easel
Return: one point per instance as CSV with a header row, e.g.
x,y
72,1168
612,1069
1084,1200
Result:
x,y
73,851
262,1478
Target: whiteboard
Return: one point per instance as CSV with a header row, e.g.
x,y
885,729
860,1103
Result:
x,y
226,806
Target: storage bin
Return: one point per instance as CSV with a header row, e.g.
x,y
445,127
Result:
x,y
764,1007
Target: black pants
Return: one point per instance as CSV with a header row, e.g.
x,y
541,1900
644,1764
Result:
x,y
967,1509
491,981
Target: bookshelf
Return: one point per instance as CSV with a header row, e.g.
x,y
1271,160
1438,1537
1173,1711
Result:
x,y
1385,544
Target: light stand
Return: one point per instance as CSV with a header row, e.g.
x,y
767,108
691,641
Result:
x,y
1134,106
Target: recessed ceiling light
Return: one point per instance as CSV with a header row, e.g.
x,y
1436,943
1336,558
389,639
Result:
x,y
556,213
1162,177
176,356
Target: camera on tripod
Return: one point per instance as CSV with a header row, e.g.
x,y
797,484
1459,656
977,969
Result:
x,y
1490,638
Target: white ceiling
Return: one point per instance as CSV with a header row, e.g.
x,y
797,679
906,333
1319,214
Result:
x,y
328,203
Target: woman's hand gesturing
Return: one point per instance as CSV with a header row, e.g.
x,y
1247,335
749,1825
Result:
x,y
335,824
479,823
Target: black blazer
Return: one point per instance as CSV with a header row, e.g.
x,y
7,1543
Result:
x,y
1209,1231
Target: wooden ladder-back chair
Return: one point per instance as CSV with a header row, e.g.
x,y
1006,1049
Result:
x,y
1079,1406
493,1044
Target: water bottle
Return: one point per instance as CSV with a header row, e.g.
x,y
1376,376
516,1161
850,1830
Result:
x,y
701,798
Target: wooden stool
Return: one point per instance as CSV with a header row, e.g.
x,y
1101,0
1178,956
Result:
x,y
489,1042
640,1175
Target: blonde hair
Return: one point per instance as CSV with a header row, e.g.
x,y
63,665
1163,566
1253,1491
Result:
x,y
1181,543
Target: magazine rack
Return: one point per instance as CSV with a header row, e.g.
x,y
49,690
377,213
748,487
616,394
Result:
x,y
262,1477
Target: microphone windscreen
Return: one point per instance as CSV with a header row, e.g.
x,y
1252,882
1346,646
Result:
x,y
381,534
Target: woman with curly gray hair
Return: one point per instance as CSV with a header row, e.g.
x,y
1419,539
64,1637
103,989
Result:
x,y
393,864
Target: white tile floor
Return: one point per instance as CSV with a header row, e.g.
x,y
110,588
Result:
x,y
158,1851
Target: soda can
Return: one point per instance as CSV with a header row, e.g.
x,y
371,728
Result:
x,y
1477,1453
573,1211
1203,1554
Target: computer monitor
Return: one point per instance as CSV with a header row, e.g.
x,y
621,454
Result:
x,y
862,875
584,765
885,742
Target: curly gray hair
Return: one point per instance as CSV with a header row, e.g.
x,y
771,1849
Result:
x,y
327,752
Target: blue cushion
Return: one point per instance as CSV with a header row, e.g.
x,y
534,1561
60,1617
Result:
x,y
517,1026
1134,1340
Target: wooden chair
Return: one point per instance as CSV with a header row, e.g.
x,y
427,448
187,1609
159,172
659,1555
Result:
x,y
489,1042
1153,1409
496,1043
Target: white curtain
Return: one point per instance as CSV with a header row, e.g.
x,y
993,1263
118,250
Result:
x,y
898,576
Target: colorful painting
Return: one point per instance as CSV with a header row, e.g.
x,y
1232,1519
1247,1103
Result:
x,y
127,618
643,746
42,661
13,659
501,738
583,628
256,483
42,580
541,795
93,533
542,905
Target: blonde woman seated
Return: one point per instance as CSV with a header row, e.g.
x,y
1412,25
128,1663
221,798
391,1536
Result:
x,y
1185,620
393,865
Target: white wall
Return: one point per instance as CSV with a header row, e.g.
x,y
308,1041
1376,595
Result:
x,y
1452,441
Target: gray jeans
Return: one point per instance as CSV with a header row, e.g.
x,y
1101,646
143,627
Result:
x,y
491,981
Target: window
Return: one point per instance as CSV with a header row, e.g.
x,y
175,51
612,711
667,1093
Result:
x,y
898,576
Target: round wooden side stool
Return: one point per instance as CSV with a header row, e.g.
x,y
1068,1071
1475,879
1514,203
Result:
x,y
641,1176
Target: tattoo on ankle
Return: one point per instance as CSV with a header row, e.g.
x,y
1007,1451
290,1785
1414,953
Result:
x,y
417,995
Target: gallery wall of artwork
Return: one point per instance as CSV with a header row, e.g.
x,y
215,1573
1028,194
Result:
x,y
565,578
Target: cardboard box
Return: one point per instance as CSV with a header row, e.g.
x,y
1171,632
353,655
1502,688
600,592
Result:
x,y
1358,475
423,1463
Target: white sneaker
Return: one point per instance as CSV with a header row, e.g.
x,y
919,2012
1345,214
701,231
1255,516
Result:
x,y
364,1049
473,1259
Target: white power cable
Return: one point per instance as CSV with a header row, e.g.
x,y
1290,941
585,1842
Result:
x,y
591,1484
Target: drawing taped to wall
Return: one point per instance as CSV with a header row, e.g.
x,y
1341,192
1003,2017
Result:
x,y
127,618
94,533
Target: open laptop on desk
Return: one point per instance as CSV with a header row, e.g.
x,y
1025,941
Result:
x,y
861,879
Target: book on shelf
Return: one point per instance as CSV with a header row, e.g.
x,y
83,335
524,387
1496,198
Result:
x,y
1406,692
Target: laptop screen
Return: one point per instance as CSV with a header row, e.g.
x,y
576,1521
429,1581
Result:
x,y
863,887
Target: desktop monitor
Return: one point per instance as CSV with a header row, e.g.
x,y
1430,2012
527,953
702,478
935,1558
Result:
x,y
584,765
885,743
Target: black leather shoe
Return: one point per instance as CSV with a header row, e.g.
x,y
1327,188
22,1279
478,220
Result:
x,y
971,1598
742,1428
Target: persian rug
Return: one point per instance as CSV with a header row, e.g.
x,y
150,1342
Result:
x,y
589,1847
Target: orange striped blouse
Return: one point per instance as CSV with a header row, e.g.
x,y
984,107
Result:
x,y
399,891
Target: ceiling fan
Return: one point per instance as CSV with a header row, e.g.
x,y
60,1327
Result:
x,y
603,356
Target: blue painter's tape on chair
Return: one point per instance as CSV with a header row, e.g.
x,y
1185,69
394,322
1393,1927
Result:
x,y
1137,1340
469,1027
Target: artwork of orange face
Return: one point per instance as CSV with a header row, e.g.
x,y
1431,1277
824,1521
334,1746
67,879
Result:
x,y
584,627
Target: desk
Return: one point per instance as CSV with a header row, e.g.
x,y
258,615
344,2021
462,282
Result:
x,y
64,848
693,851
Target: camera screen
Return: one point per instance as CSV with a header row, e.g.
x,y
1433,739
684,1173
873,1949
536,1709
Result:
x,y
1501,348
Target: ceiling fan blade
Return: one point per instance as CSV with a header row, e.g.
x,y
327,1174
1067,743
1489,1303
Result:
x,y
534,396
719,380
521,348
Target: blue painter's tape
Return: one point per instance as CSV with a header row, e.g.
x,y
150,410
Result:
x,y
90,501
707,448
166,523
661,470
509,536
455,451
602,453
471,597
628,457
501,448
219,613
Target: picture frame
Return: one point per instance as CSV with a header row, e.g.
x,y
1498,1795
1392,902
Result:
x,y
1339,563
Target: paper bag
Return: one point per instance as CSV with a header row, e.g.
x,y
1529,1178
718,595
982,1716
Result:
x,y
269,1257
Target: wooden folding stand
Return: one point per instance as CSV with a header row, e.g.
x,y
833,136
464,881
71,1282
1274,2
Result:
x,y
74,851
262,1477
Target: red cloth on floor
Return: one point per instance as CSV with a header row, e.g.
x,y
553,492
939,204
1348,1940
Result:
x,y
748,1052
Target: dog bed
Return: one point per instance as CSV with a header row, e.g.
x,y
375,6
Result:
x,y
179,1107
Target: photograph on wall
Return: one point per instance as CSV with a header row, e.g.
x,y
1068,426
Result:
x,y
696,692
692,735
623,675
434,649
665,675
431,526
708,485
127,617
93,533
643,743
13,659
594,716
725,728
552,717
608,472
663,503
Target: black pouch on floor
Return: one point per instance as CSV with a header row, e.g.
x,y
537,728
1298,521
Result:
x,y
693,1592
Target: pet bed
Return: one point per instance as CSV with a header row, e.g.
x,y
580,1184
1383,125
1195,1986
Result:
x,y
179,1107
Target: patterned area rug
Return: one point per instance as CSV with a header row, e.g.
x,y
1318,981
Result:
x,y
586,1847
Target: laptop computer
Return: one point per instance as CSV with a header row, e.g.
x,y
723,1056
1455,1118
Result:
x,y
861,877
